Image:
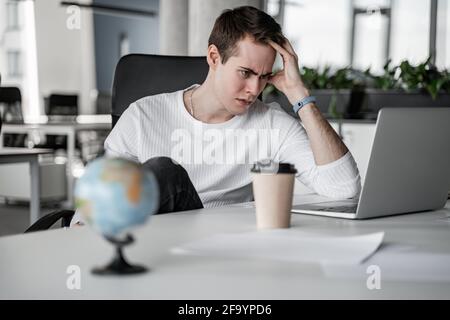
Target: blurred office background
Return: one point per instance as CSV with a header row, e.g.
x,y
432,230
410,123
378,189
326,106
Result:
x,y
57,61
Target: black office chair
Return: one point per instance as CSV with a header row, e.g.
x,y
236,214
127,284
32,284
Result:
x,y
0,112
140,75
62,105
11,99
137,76
11,112
103,103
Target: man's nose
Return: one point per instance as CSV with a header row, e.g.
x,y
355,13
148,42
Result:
x,y
253,86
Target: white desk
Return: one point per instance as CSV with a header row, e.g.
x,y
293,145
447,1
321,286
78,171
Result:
x,y
67,129
33,266
14,155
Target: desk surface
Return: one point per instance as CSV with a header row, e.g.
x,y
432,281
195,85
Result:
x,y
34,265
23,151
15,127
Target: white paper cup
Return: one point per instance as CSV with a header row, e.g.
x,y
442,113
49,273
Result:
x,y
273,191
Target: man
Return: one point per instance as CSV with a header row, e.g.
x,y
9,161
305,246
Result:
x,y
159,130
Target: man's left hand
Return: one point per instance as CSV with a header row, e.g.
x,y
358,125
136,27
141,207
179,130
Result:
x,y
288,80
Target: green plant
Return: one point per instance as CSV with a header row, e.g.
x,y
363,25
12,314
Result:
x,y
424,76
343,78
388,80
404,76
316,79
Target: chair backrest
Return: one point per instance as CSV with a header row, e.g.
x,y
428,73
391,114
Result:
x,y
140,75
10,95
62,104
103,103
11,104
0,112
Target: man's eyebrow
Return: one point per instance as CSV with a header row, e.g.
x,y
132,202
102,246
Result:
x,y
255,73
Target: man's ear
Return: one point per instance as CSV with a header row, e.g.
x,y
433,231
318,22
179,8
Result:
x,y
213,57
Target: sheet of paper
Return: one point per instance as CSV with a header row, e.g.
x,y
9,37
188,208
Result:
x,y
286,245
397,263
297,199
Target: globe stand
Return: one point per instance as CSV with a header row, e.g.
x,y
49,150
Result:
x,y
119,266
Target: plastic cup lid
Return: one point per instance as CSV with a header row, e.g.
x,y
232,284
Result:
x,y
270,166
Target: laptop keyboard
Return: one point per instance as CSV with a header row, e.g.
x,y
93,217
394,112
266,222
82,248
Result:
x,y
344,209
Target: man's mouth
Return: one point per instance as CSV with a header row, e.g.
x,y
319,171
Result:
x,y
244,101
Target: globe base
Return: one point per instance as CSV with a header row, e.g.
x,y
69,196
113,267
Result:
x,y
122,269
119,266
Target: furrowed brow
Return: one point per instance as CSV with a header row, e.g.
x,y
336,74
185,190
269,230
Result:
x,y
255,73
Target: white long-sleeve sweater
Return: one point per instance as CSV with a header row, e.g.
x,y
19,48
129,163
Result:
x,y
218,157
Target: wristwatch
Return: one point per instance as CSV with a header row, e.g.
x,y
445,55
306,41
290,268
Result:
x,y
300,104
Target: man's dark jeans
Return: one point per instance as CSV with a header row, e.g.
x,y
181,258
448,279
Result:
x,y
176,191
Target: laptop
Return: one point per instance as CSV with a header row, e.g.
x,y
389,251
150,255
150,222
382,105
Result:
x,y
408,170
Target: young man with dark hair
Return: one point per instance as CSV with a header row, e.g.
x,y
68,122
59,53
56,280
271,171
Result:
x,y
159,131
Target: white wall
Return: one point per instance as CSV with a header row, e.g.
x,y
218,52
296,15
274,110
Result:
x,y
9,40
21,39
203,14
173,27
185,25
65,56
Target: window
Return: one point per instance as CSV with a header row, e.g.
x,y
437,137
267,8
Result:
x,y
410,30
12,9
14,64
319,31
370,34
443,35
273,7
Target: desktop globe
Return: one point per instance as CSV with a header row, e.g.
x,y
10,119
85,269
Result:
x,y
114,195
